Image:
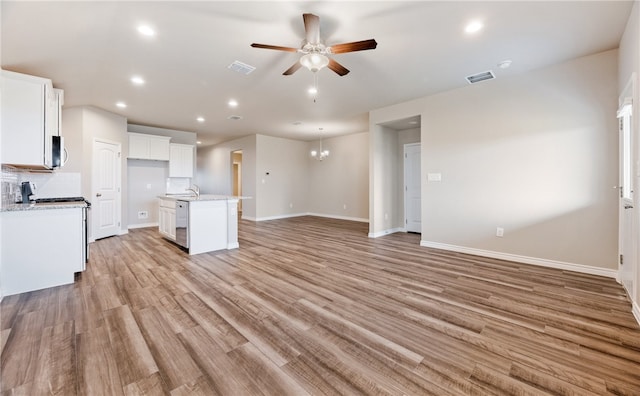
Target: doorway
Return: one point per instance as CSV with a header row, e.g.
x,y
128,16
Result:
x,y
412,188
236,177
106,191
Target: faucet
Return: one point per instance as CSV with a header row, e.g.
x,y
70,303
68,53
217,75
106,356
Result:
x,y
195,189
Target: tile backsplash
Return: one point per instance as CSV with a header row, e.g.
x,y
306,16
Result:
x,y
47,185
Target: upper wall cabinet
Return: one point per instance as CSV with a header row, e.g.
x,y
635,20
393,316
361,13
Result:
x,y
181,162
149,147
31,116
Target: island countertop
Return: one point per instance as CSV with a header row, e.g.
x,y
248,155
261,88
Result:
x,y
202,197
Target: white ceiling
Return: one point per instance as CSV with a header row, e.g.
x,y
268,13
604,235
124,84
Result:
x,y
91,50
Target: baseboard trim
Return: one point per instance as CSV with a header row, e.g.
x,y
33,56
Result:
x,y
585,269
286,216
142,225
348,218
385,232
235,245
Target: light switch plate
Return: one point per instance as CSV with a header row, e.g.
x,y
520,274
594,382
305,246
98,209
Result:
x,y
434,177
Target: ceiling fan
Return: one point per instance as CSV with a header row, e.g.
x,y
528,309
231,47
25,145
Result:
x,y
315,53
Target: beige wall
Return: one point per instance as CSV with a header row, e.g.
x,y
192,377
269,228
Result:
x,y
214,171
296,184
535,154
281,169
338,186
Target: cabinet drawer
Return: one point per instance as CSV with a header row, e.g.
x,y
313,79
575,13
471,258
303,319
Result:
x,y
168,203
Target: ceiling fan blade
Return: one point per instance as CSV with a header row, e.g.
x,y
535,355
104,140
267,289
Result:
x,y
338,68
274,47
312,28
294,68
354,46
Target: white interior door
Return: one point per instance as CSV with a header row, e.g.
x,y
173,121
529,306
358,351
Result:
x,y
627,267
412,192
106,197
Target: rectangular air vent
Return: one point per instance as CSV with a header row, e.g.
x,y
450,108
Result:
x,y
241,67
476,78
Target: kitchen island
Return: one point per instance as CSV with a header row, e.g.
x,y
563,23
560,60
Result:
x,y
200,224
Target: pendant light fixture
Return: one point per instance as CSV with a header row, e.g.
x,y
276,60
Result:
x,y
320,154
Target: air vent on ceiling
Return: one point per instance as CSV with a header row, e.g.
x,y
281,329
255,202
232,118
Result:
x,y
234,117
241,67
476,78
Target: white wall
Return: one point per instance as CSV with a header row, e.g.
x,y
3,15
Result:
x,y
629,63
340,180
148,179
80,126
535,154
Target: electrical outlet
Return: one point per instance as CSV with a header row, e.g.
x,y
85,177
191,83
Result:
x,y
344,206
500,232
143,214
291,205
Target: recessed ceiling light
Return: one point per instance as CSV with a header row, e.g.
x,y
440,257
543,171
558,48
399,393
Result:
x,y
313,90
233,103
121,105
137,80
200,119
473,27
198,142
297,123
146,30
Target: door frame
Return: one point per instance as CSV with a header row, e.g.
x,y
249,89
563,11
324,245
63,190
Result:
x,y
628,93
118,182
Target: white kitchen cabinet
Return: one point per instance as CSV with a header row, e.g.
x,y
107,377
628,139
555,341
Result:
x,y
167,219
40,248
148,147
31,110
181,160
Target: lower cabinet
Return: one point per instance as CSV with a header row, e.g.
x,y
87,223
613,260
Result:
x,y
167,219
40,248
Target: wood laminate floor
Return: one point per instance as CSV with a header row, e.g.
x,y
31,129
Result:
x,y
312,306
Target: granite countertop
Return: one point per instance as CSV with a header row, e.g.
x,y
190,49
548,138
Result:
x,y
202,197
16,207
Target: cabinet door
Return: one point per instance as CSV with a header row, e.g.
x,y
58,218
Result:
x,y
161,220
23,119
138,146
159,148
171,224
181,161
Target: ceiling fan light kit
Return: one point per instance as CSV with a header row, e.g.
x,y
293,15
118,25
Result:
x,y
315,53
314,61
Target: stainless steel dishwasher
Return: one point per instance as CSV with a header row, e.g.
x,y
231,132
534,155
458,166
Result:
x,y
182,223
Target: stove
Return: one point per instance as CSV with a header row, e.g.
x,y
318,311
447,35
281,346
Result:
x,y
62,199
85,218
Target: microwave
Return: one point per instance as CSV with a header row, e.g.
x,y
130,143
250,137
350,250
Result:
x,y
59,155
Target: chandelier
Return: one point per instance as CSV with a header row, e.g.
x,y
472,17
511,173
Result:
x,y
320,154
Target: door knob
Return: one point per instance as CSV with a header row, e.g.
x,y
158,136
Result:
x,y
98,195
628,206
